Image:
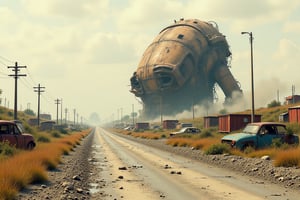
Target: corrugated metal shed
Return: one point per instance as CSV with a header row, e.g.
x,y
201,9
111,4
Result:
x,y
233,122
284,117
211,121
294,114
170,124
142,125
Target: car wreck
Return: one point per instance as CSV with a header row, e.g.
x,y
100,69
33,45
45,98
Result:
x,y
12,132
189,130
260,135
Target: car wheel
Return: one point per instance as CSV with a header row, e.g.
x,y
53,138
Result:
x,y
246,146
30,146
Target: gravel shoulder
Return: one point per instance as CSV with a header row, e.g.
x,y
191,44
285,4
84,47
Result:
x,y
73,176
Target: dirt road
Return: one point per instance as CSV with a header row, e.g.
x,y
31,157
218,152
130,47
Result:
x,y
124,169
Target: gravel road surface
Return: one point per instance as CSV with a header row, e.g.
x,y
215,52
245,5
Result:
x,y
114,166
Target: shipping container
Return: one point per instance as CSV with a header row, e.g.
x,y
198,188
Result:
x,y
233,122
294,114
211,121
170,124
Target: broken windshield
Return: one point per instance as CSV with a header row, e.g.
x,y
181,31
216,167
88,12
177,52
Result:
x,y
251,129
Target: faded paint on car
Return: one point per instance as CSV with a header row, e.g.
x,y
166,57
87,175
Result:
x,y
10,132
260,135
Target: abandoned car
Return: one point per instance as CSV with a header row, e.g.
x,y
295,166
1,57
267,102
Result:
x,y
13,134
260,135
186,130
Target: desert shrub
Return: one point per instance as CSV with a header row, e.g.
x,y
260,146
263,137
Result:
x,y
287,158
206,133
43,139
218,149
10,113
63,131
274,103
276,143
293,128
6,149
55,134
249,150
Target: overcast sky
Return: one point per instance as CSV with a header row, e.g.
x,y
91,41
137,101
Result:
x,y
84,51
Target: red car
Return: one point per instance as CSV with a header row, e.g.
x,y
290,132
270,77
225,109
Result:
x,y
12,132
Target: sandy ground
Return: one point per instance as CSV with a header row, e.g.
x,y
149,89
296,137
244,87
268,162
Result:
x,y
97,169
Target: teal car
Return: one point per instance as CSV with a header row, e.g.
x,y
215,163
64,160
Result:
x,y
260,135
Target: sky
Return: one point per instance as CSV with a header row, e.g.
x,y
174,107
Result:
x,y
85,51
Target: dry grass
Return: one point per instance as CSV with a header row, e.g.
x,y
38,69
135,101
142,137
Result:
x,y
288,158
190,142
147,135
31,166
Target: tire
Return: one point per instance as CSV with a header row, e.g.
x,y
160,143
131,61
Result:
x,y
247,145
30,146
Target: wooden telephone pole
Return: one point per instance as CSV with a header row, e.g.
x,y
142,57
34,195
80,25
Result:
x,y
16,75
39,89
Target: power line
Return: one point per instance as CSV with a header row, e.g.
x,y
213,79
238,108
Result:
x,y
31,78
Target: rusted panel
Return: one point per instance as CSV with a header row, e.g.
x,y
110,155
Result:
x,y
211,121
233,122
294,114
170,124
142,125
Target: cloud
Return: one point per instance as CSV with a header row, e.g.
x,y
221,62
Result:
x,y
148,14
292,27
77,9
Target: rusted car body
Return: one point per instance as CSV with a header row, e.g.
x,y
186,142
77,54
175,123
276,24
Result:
x,y
180,68
11,132
260,135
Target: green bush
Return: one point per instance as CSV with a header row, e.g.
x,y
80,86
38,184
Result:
x,y
206,133
6,149
293,128
43,139
249,149
274,103
55,134
218,149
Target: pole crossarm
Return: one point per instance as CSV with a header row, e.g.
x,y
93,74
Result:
x,y
39,90
16,75
57,102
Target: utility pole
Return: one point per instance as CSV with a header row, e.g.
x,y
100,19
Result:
x,y
74,117
61,108
66,115
252,79
133,114
57,102
293,94
16,75
39,89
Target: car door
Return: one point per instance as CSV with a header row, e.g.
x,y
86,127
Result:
x,y
6,135
20,139
266,135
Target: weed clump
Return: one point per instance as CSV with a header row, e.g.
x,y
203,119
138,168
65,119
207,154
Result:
x,y
43,139
288,158
55,134
218,149
6,149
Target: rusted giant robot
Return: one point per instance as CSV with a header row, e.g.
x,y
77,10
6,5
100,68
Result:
x,y
180,68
